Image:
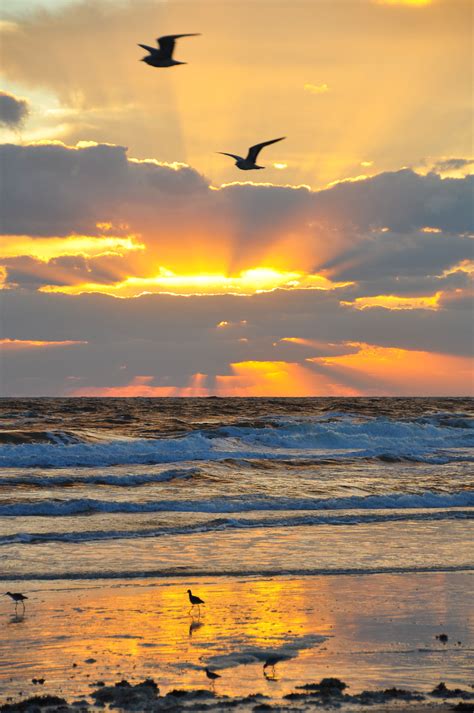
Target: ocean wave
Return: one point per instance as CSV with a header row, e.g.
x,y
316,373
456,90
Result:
x,y
54,437
221,524
400,501
428,439
122,481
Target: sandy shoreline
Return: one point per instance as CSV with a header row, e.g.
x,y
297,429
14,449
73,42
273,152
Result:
x,y
372,632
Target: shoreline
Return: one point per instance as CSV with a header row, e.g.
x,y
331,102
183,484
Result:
x,y
373,633
166,575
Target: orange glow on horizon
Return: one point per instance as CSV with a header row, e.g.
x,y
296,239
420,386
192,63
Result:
x,y
374,370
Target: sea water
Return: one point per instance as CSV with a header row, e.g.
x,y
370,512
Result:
x,y
125,488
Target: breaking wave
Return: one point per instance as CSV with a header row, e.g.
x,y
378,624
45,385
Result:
x,y
431,439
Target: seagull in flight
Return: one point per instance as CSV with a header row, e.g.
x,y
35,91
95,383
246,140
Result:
x,y
249,162
163,56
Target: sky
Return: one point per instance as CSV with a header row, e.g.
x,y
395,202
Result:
x,y
135,260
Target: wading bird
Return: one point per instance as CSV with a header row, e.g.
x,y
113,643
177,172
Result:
x,y
17,597
271,662
212,676
195,601
163,56
249,162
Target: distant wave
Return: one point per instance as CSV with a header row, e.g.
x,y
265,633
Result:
x,y
21,437
431,439
57,508
121,481
219,524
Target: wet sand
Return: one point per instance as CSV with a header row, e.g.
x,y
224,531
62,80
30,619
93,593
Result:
x,y
372,632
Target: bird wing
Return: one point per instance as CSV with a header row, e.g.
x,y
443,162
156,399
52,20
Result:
x,y
233,155
255,150
167,43
151,50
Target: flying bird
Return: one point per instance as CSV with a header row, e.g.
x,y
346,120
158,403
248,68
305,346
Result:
x,y
163,56
249,162
17,597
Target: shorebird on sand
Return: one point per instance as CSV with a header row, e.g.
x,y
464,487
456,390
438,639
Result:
x,y
195,601
212,676
249,162
271,662
163,56
17,597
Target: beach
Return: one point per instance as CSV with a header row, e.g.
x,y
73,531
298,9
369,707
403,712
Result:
x,y
334,535
372,632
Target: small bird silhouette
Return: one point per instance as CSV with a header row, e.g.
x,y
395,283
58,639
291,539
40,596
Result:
x,y
249,162
272,661
17,597
163,57
195,601
212,676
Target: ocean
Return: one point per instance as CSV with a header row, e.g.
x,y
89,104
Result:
x,y
124,488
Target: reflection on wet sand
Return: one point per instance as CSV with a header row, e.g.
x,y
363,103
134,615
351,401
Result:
x,y
313,627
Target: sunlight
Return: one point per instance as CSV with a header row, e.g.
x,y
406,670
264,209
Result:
x,y
247,282
395,303
45,249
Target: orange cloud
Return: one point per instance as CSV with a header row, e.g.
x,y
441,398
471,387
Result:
x,y
395,302
24,344
395,371
45,249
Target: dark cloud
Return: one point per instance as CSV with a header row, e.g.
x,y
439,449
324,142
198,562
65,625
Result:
x,y
52,190
31,273
402,201
13,110
452,164
391,255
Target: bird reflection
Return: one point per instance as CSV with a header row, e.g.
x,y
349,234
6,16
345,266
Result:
x,y
17,618
270,676
194,626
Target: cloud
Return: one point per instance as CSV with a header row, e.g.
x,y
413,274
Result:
x,y
55,190
453,164
322,88
13,110
383,262
170,339
401,255
14,345
405,3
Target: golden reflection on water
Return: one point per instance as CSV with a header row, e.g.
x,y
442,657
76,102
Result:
x,y
375,627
